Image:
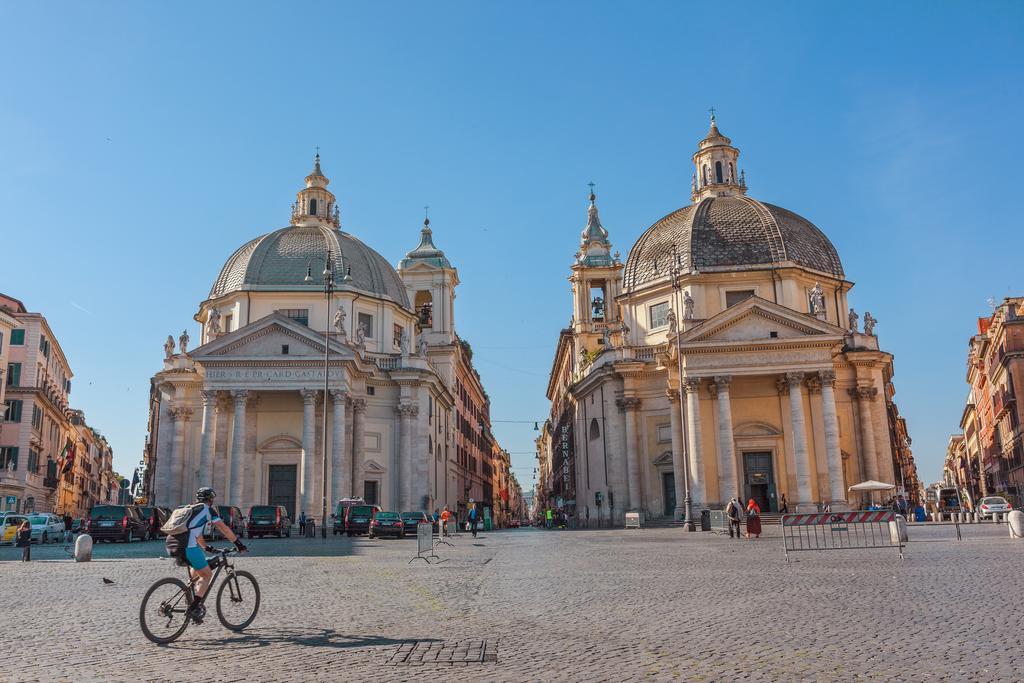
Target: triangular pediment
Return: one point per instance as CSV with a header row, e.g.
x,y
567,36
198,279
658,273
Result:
x,y
759,320
266,338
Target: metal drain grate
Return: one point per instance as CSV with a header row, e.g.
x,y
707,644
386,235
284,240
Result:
x,y
454,653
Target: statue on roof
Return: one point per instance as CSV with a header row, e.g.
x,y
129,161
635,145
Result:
x,y
687,306
213,324
869,324
673,324
183,342
169,347
853,318
818,301
339,322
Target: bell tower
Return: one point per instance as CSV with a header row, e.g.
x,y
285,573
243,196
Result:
x,y
717,173
314,204
596,283
430,281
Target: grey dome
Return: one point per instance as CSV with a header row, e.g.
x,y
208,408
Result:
x,y
729,233
278,261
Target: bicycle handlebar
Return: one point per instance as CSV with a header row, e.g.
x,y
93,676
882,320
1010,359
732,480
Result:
x,y
222,551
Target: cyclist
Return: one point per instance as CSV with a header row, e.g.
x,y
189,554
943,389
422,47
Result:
x,y
198,566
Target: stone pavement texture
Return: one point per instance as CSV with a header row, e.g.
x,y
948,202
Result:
x,y
530,605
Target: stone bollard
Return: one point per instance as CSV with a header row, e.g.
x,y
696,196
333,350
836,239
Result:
x,y
1015,523
83,548
977,517
898,529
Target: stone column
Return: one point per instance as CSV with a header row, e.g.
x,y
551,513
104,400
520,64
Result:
x,y
221,457
404,456
836,485
727,486
801,455
869,461
205,477
695,448
358,444
249,494
678,454
341,468
308,450
235,479
630,405
180,416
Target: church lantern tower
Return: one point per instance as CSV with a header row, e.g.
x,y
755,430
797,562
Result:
x,y
596,283
430,281
717,172
315,204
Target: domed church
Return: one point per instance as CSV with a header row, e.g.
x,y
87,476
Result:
x,y
244,410
722,353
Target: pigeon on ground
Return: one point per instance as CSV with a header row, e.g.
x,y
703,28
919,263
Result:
x,y
107,581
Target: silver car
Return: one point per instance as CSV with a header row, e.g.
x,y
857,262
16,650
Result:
x,y
46,528
991,505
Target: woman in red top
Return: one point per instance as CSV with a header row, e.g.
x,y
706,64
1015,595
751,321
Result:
x,y
753,519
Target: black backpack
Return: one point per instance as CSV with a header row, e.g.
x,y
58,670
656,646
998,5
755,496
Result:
x,y
177,529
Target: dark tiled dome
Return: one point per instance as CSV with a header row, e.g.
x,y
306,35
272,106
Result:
x,y
278,260
729,233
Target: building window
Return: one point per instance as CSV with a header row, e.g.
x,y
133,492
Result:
x,y
33,461
227,323
595,429
284,349
733,298
13,412
37,417
659,315
365,321
397,329
8,457
44,346
371,391
312,207
718,171
299,315
14,374
17,337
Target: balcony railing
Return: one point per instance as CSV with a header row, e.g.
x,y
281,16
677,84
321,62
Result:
x,y
1002,400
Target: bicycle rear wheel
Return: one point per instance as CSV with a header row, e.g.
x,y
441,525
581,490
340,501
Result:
x,y
238,600
162,614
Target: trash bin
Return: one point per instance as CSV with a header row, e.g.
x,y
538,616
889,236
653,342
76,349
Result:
x,y
310,529
705,520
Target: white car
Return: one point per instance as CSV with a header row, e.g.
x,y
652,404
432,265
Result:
x,y
46,528
993,505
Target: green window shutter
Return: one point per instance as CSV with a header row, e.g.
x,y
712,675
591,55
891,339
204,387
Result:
x,y
17,337
14,411
14,374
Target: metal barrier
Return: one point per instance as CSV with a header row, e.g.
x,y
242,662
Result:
x,y
424,543
719,522
859,530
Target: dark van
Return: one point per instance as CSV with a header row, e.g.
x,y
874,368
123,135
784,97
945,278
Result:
x,y
359,517
116,523
269,519
155,518
340,515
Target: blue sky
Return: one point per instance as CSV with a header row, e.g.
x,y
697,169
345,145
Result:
x,y
141,143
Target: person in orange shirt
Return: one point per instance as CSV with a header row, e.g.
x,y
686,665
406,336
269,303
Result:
x,y
445,516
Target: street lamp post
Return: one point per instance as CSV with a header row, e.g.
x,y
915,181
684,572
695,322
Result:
x,y
687,500
328,276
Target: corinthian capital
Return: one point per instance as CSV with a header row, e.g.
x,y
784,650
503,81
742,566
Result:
x,y
181,413
359,405
309,395
827,377
239,396
691,385
794,379
339,395
209,397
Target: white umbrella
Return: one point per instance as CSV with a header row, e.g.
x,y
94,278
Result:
x,y
870,486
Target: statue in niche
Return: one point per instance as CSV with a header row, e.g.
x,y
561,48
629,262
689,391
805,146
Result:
x,y
183,342
673,324
213,324
339,322
361,335
817,301
853,318
169,347
606,337
687,306
423,346
403,344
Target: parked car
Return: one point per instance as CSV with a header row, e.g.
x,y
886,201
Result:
x,y
386,524
992,505
46,528
340,516
116,522
269,519
411,519
230,515
9,527
358,519
514,524
155,517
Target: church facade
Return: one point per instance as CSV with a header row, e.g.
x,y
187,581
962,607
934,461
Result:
x,y
722,354
245,410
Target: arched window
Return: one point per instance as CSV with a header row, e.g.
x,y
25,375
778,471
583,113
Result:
x,y
595,430
732,173
312,207
718,171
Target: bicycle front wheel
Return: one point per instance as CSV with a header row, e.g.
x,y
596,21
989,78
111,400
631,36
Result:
x,y
238,600
162,614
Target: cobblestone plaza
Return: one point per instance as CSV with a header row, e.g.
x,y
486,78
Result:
x,y
532,605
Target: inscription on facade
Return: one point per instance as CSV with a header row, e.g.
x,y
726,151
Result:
x,y
270,374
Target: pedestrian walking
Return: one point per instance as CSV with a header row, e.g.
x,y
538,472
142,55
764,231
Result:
x,y
24,540
68,536
783,505
548,517
474,517
445,516
302,524
753,519
733,511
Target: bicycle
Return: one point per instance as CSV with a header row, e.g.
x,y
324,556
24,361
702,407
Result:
x,y
164,616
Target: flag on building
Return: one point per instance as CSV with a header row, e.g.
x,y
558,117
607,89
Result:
x,y
135,483
67,457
